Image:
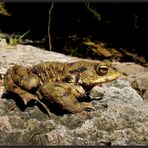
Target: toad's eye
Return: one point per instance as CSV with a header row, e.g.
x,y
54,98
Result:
x,y
102,69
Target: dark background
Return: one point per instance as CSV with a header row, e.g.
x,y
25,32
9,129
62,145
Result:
x,y
122,25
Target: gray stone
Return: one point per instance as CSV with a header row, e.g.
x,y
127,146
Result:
x,y
121,116
137,76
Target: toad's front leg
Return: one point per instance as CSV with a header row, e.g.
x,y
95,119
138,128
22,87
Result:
x,y
64,95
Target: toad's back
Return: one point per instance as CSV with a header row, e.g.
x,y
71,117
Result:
x,y
51,71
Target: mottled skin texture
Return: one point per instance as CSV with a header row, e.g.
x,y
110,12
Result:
x,y
60,83
65,97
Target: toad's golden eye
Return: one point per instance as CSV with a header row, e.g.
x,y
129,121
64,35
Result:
x,y
102,69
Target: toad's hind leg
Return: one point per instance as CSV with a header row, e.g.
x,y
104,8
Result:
x,y
27,97
24,78
10,86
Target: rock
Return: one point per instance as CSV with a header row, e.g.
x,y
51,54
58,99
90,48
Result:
x,y
140,83
121,116
137,75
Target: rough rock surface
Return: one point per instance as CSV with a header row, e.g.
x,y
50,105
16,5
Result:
x,y
137,76
121,116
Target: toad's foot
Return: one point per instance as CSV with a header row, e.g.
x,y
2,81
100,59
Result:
x,y
44,106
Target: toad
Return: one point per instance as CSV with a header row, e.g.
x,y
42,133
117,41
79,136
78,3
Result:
x,y
59,83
